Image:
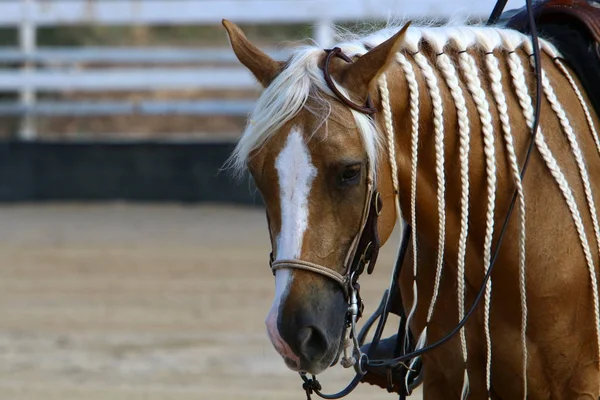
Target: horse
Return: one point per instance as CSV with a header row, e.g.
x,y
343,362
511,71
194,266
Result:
x,y
455,111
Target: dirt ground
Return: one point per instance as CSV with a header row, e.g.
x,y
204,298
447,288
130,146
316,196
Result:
x,y
144,302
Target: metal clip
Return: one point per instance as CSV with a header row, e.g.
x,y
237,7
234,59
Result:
x,y
353,309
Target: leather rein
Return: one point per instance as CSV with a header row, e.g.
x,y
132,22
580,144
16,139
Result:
x,y
364,250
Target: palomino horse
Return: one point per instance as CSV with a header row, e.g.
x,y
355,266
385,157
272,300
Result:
x,y
455,111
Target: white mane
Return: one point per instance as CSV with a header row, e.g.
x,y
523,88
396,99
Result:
x,y
302,79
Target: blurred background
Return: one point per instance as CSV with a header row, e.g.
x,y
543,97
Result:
x,y
131,267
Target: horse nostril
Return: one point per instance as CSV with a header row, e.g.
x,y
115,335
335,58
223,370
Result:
x,y
313,345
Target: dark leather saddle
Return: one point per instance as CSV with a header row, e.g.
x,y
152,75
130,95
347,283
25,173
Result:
x,y
573,26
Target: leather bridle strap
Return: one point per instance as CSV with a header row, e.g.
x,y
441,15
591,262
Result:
x,y
368,108
308,266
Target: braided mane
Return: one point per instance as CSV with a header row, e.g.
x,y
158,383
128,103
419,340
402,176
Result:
x,y
302,80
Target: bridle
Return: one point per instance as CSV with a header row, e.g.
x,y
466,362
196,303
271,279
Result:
x,y
365,248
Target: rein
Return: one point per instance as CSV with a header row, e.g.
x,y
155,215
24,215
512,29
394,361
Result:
x,y
365,248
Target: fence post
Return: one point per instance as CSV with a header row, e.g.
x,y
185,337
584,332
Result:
x,y
324,32
27,94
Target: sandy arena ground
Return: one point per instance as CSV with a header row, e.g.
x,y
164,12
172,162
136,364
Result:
x,y
144,302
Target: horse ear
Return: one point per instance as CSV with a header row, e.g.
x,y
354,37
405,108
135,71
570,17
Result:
x,y
361,74
264,68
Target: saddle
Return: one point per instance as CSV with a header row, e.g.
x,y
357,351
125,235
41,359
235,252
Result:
x,y
573,26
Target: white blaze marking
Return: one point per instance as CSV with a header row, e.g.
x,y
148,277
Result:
x,y
296,173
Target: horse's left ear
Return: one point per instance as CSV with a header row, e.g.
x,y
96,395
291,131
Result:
x,y
264,68
364,72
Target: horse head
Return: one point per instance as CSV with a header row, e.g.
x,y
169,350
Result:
x,y
315,161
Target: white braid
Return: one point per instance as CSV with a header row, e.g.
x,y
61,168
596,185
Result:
x,y
438,122
517,72
497,90
413,88
449,72
584,105
389,126
469,67
451,77
554,54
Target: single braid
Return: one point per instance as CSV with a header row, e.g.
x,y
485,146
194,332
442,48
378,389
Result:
x,y
387,112
389,126
553,53
464,131
469,67
413,88
584,105
497,90
438,122
450,75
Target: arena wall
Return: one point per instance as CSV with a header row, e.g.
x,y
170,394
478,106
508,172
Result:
x,y
137,171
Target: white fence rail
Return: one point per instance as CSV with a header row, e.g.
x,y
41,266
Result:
x,y
28,15
124,56
127,12
91,80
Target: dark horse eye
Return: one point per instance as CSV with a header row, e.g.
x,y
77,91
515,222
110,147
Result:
x,y
350,175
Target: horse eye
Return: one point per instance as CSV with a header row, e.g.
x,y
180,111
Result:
x,y
350,174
